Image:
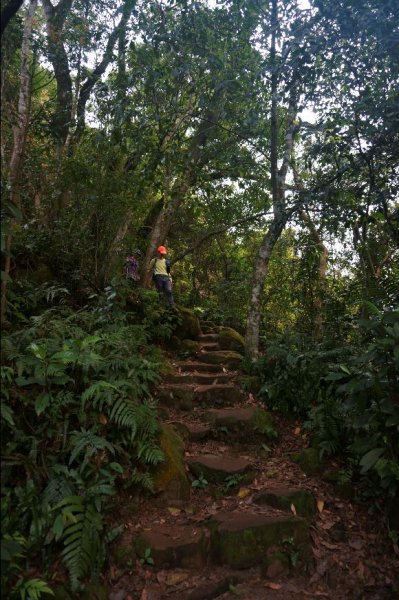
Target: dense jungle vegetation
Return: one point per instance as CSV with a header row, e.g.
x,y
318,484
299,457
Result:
x,y
260,142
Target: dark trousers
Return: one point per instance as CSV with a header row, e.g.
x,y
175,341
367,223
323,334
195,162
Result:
x,y
164,286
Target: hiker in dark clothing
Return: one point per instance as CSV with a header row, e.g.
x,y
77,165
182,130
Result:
x,y
132,267
160,267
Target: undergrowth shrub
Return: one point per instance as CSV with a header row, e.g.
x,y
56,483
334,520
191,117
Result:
x,y
349,396
78,422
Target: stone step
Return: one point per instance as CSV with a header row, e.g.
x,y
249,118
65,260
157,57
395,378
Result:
x,y
285,498
218,393
176,395
192,431
208,337
222,357
199,378
244,422
198,367
216,468
183,546
185,395
245,539
209,346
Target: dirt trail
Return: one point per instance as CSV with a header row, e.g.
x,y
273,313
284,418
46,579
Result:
x,y
247,522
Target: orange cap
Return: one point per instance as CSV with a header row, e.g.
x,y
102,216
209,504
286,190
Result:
x,y
161,250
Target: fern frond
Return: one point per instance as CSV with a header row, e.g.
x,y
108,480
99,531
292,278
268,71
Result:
x,y
124,413
83,551
150,454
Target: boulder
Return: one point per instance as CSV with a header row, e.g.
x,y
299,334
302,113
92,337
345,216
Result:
x,y
188,326
230,339
170,479
309,460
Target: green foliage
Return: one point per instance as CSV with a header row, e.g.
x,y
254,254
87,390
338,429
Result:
x,y
78,421
199,483
147,559
349,394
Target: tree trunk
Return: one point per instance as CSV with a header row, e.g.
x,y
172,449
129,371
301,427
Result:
x,y
19,135
55,20
278,178
321,275
259,275
8,12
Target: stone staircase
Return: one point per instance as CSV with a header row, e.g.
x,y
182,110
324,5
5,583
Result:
x,y
237,511
226,449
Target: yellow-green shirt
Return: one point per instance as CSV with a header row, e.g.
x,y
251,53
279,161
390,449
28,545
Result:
x,y
158,266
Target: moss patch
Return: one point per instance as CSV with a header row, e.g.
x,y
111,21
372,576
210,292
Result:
x,y
249,383
189,326
190,347
263,423
309,460
170,477
230,339
223,357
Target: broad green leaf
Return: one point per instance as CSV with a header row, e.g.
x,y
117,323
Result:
x,y
370,458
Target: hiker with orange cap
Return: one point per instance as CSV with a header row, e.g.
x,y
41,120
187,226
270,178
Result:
x,y
160,267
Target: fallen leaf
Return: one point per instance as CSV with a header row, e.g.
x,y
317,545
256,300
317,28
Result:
x,y
293,509
174,511
175,578
320,505
297,430
273,586
243,492
102,419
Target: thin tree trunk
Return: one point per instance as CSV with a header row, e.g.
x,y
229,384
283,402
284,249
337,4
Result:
x,y
278,178
19,135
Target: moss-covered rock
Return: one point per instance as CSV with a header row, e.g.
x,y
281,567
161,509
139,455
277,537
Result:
x,y
245,422
243,540
188,326
250,383
170,479
309,460
263,423
223,357
190,347
284,498
176,396
230,339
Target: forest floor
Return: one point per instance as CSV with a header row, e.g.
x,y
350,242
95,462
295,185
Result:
x,y
352,557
